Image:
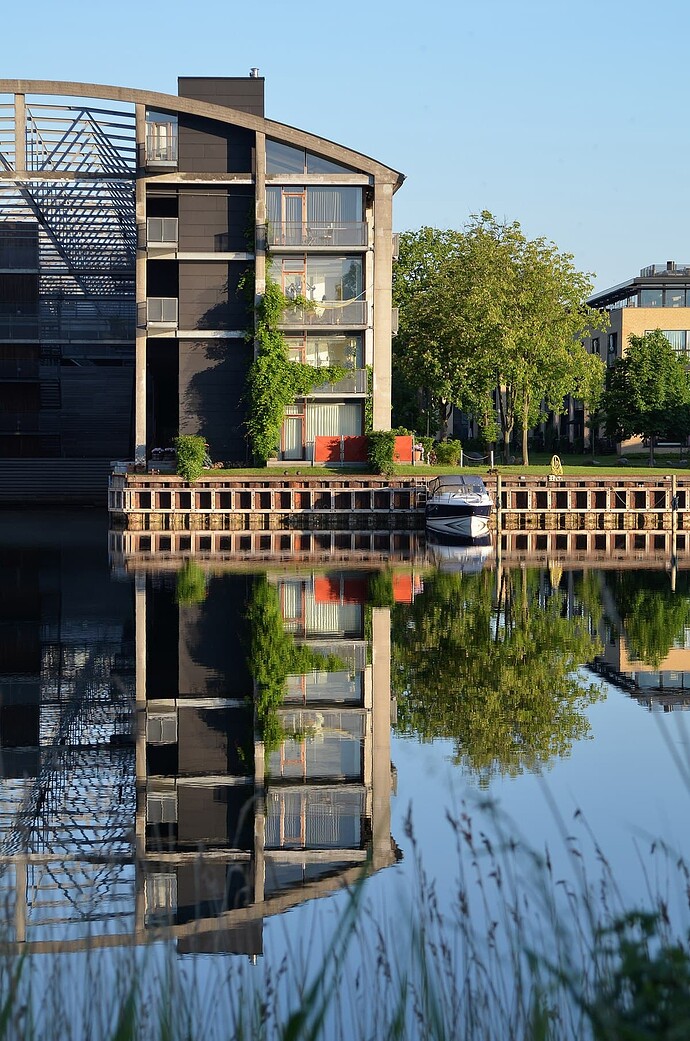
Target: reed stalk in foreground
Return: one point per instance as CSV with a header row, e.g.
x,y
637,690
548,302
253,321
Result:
x,y
523,951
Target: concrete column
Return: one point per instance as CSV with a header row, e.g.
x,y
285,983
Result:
x,y
20,877
19,132
382,302
261,217
381,731
140,289
140,744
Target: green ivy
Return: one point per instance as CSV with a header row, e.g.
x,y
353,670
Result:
x,y
273,380
273,656
369,401
191,584
191,452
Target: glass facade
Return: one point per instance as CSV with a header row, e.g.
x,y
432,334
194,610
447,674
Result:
x,y
318,278
322,350
282,158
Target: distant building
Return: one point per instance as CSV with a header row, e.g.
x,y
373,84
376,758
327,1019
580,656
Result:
x,y
128,222
658,298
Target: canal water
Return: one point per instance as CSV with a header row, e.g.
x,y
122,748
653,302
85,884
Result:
x,y
232,773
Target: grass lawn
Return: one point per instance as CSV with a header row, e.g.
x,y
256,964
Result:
x,y
540,466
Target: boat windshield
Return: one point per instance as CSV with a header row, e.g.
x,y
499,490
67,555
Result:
x,y
456,485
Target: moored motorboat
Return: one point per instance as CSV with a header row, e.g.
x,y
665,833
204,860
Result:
x,y
458,505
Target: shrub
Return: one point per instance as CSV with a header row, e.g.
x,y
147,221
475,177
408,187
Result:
x,y
191,452
381,446
448,453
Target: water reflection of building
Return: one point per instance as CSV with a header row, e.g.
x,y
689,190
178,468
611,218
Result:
x,y
662,684
135,795
323,812
67,795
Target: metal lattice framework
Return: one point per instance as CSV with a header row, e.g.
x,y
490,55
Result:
x,y
75,181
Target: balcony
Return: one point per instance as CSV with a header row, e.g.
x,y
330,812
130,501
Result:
x,y
314,233
326,313
162,232
161,145
354,383
162,311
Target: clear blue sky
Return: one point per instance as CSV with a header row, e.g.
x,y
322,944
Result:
x,y
566,116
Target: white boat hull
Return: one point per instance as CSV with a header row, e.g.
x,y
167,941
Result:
x,y
470,526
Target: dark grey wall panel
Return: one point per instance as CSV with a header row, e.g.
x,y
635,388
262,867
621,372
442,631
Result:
x,y
245,93
96,414
208,147
216,221
212,385
209,297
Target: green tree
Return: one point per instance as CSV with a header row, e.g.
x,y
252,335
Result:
x,y
492,323
494,670
422,391
647,391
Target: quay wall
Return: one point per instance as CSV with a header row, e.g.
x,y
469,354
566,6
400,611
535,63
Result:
x,y
158,502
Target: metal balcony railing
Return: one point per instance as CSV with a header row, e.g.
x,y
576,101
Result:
x,y
317,233
161,144
162,231
327,313
354,383
161,310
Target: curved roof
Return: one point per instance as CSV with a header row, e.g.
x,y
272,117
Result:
x,y
219,113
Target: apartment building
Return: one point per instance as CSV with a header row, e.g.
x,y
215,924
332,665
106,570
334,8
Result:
x,y
132,225
658,298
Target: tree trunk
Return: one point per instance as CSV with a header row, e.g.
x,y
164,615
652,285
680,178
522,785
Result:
x,y
651,449
506,446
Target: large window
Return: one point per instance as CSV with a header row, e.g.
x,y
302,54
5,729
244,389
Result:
x,y
320,351
676,296
318,278
651,298
678,338
314,204
281,158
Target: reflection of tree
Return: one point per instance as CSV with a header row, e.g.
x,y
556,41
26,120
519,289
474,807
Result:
x,y
273,656
652,614
496,676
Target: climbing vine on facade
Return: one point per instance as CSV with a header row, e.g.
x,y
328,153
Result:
x,y
273,380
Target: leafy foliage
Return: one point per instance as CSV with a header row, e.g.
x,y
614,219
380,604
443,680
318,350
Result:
x,y
273,380
191,452
496,673
381,448
643,982
487,316
273,656
191,584
448,453
647,391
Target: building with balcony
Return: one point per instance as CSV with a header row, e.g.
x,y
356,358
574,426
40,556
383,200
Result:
x,y
657,298
131,225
